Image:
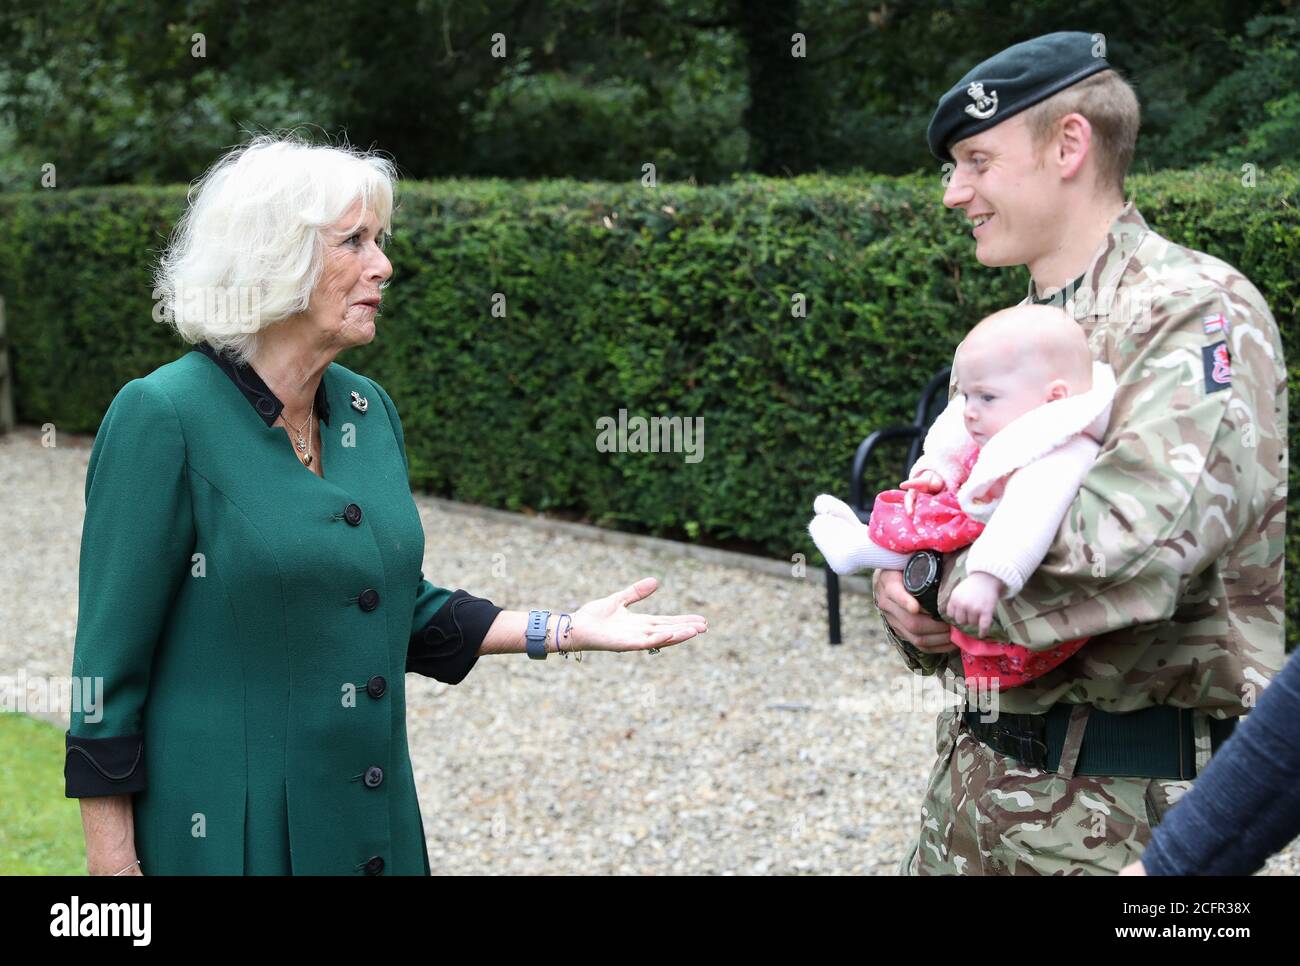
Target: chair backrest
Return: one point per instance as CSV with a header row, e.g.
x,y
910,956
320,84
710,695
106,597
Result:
x,y
933,401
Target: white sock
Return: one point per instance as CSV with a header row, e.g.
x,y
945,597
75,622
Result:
x,y
848,547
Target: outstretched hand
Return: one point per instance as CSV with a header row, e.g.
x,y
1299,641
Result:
x,y
606,624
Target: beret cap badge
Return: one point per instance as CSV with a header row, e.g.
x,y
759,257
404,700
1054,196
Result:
x,y
984,106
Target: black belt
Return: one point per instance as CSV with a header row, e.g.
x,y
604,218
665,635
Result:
x,y
1155,742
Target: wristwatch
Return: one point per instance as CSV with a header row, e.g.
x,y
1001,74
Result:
x,y
535,634
922,575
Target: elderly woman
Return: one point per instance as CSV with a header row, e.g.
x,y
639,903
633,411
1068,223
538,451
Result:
x,y
251,602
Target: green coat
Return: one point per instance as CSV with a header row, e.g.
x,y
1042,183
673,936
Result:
x,y
252,623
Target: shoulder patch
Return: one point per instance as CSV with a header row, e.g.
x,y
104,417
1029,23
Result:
x,y
1215,323
1218,367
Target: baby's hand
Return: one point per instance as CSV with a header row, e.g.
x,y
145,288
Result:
x,y
974,600
927,480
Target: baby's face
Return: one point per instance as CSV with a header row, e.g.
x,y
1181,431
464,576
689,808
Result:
x,y
994,398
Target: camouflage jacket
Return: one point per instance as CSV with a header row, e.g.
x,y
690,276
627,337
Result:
x,y
1171,557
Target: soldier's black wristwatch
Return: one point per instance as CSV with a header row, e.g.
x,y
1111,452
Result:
x,y
922,575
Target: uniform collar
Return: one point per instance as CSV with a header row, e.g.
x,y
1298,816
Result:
x,y
1101,279
1057,298
259,395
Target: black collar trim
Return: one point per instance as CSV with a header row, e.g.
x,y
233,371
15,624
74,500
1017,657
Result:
x,y
246,379
1060,297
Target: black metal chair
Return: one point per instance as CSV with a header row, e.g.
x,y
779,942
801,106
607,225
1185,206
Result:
x,y
934,399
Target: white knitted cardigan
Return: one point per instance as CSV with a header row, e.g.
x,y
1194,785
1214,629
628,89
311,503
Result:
x,y
1051,446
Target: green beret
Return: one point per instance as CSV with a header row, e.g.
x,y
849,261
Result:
x,y
1008,82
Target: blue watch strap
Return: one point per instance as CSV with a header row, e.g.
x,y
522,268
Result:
x,y
535,634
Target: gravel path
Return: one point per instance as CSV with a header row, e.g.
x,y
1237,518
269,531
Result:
x,y
755,749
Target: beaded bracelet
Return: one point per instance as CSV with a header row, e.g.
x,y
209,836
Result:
x,y
568,630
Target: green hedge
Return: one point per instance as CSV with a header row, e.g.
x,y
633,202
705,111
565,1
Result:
x,y
668,301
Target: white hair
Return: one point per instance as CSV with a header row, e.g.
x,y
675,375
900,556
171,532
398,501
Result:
x,y
248,251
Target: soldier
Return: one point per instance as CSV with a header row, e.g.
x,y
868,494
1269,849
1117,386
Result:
x,y
1171,557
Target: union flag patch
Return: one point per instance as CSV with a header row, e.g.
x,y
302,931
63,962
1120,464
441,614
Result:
x,y
1218,366
1215,323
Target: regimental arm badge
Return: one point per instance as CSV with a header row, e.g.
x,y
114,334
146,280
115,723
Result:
x,y
1218,367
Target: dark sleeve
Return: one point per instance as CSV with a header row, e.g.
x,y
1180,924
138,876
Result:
x,y
447,646
136,545
103,766
1246,805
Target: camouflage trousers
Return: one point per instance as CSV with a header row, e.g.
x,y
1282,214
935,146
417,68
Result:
x,y
987,814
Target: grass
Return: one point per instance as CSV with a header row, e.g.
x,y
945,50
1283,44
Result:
x,y
40,830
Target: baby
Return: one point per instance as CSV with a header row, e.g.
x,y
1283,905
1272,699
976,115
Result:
x,y
1001,466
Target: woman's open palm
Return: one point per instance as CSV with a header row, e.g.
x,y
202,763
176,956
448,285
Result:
x,y
606,624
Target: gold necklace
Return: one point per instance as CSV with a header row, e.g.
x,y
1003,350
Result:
x,y
304,446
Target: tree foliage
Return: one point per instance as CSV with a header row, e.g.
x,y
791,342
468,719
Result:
x,y
112,91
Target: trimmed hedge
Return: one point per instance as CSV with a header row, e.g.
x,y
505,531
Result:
x,y
673,301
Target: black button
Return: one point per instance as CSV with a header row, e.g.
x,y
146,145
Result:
x,y
265,406
374,865
376,686
352,513
369,599
374,776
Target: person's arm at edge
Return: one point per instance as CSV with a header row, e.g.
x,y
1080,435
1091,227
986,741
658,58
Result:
x,y
1246,805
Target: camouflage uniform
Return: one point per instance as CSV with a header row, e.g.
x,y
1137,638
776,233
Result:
x,y
1170,560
